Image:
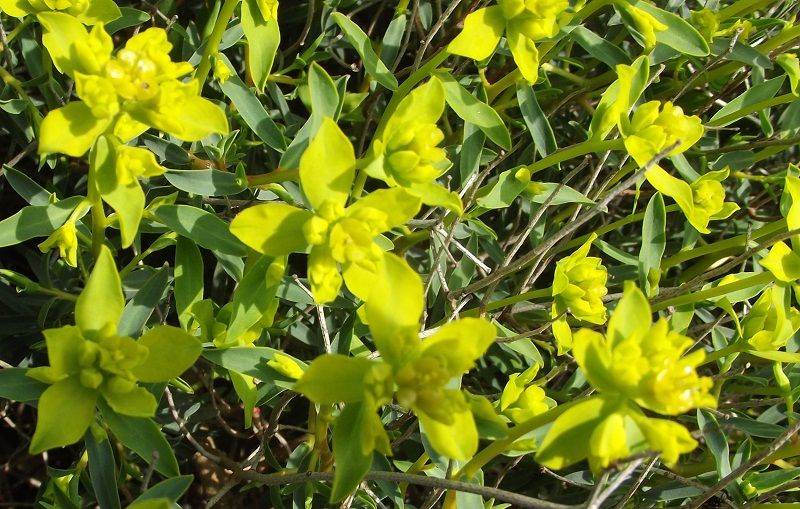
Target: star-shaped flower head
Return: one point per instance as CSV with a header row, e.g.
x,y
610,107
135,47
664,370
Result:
x,y
636,364
122,93
341,238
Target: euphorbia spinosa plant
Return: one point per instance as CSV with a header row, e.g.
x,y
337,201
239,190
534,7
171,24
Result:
x,y
516,253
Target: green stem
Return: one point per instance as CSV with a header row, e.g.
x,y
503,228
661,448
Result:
x,y
212,44
509,301
497,447
727,70
14,83
19,28
99,221
565,154
26,284
497,88
718,291
616,225
144,254
753,108
735,243
742,8
273,177
731,349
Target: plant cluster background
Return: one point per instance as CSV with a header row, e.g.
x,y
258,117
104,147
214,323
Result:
x,y
416,253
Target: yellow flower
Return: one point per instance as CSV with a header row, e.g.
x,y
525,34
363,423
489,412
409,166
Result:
x,y
643,362
655,126
66,240
523,21
579,285
122,93
770,322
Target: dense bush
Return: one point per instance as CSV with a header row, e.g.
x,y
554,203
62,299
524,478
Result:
x,y
513,253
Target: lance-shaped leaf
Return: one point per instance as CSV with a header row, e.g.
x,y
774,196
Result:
x,y
263,37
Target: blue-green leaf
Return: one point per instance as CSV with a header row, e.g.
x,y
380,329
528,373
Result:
x,y
204,228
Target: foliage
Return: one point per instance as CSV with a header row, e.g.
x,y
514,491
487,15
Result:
x,y
528,253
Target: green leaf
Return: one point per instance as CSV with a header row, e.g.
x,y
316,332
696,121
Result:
x,y
206,182
252,361
100,304
392,39
171,352
544,140
70,130
742,52
716,440
142,436
263,37
129,17
139,309
102,470
471,110
754,95
171,489
15,385
67,397
36,221
598,47
189,274
679,35
654,242
324,96
253,113
247,391
335,378
204,228
504,191
352,462
564,194
274,229
155,503
255,294
29,190
327,168
363,45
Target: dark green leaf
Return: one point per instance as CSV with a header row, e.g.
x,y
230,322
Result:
x,y
253,113
204,228
142,436
16,386
102,470
206,182
36,221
